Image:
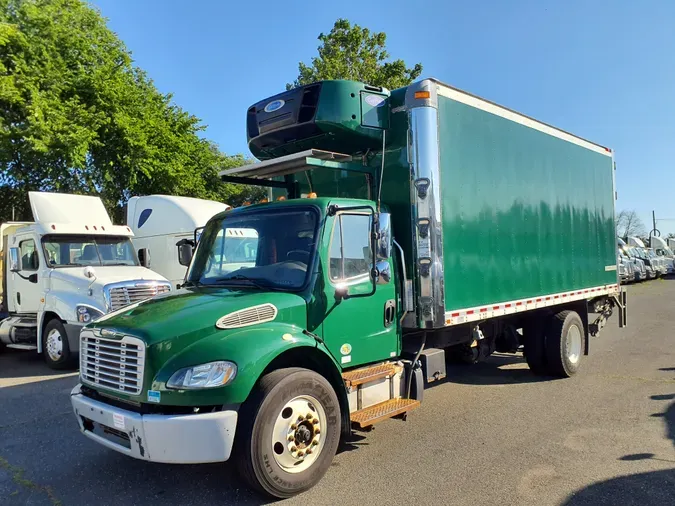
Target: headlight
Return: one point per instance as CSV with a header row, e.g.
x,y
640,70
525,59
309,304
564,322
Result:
x,y
86,314
213,374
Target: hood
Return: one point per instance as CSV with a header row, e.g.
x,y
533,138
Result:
x,y
179,319
105,275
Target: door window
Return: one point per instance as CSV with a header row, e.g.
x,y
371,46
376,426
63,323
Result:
x,y
29,257
350,249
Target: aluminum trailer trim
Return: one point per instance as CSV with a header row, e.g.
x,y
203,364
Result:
x,y
460,316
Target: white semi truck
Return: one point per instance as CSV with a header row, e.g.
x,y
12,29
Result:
x,y
160,221
67,268
664,250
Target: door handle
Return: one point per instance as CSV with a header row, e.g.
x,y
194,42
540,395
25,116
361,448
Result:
x,y
18,298
389,312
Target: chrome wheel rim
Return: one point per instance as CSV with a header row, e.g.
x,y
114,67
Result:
x,y
297,437
54,345
573,344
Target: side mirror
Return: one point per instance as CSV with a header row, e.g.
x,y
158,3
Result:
x,y
14,265
185,250
198,234
144,257
383,240
33,278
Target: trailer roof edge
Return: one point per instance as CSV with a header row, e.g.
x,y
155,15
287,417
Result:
x,y
474,100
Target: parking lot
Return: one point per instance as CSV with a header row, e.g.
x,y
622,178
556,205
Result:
x,y
489,434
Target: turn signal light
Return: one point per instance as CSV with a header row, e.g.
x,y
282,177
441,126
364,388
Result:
x,y
311,195
281,197
422,94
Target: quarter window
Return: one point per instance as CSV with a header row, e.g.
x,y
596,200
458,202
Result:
x,y
350,249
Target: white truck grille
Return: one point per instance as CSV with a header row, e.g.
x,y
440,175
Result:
x,y
121,296
113,364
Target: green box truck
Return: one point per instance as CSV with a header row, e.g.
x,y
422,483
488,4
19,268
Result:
x,y
403,229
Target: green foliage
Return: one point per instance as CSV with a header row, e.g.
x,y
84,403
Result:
x,y
352,52
77,116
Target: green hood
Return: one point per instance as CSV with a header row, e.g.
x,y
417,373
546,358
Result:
x,y
193,312
179,330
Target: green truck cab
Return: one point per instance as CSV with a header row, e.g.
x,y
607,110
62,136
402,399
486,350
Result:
x,y
403,229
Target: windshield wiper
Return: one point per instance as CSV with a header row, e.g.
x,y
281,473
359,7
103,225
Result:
x,y
241,277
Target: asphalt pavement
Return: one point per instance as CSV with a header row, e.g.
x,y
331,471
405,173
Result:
x,y
490,434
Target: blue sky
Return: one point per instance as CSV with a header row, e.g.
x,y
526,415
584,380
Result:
x,y
601,69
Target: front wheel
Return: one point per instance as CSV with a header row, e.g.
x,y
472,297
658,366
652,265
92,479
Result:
x,y
288,432
55,347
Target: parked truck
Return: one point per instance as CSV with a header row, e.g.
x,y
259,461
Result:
x,y
406,227
67,268
654,266
160,221
665,253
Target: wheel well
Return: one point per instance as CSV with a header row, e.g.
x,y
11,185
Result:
x,y
314,360
49,315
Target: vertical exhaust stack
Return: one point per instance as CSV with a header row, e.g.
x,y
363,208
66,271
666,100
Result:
x,y
341,116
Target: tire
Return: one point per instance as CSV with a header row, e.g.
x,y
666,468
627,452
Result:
x,y
55,348
534,343
565,339
271,414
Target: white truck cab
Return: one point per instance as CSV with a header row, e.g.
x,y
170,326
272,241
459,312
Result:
x,y
160,221
69,267
664,251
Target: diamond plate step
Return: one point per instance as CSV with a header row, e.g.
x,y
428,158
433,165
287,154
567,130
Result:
x,y
387,409
368,374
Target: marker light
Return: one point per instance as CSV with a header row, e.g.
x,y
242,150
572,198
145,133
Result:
x,y
281,197
264,201
422,94
247,203
311,195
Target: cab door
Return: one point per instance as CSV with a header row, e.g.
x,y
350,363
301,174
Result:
x,y
362,327
25,284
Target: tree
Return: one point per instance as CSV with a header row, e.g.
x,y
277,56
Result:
x,y
628,223
355,53
77,116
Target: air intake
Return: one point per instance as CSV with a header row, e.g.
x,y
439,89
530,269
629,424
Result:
x,y
249,316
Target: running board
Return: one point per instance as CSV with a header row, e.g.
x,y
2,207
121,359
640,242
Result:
x,y
371,415
28,347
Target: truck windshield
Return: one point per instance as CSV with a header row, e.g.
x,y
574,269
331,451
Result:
x,y
265,249
76,250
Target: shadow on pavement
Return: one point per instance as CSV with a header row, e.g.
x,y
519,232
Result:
x,y
16,364
643,489
499,369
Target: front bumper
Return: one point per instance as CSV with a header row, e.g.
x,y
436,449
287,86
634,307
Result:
x,y
170,439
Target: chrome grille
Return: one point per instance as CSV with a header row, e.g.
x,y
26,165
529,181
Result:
x,y
114,364
248,316
121,296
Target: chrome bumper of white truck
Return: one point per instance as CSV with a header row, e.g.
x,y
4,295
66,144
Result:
x,y
170,439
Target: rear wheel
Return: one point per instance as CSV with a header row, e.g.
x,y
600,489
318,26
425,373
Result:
x,y
565,338
288,432
55,349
